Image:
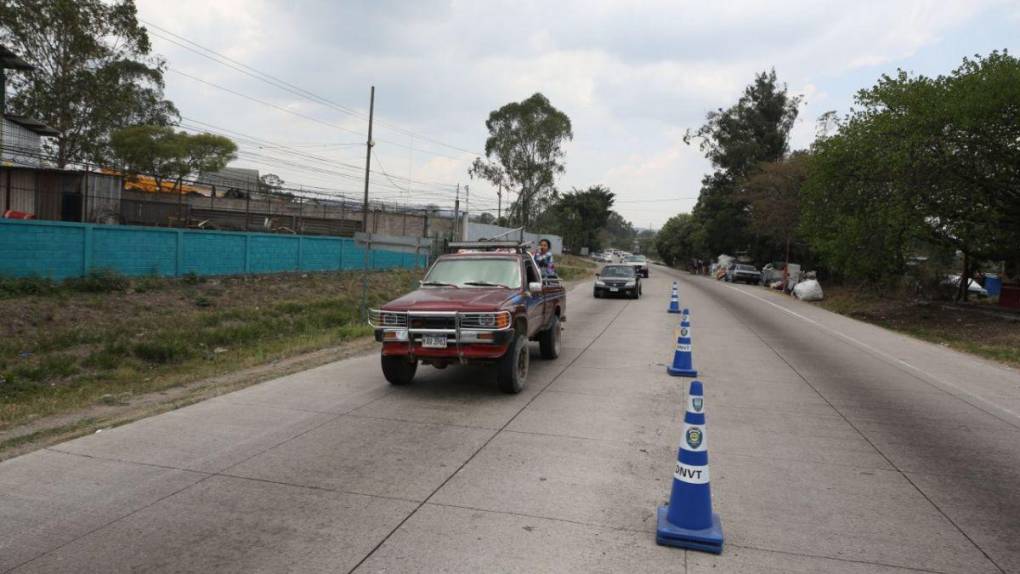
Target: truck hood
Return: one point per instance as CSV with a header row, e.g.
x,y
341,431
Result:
x,y
451,299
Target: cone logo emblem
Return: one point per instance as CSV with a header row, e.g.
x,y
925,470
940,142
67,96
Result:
x,y
683,331
698,403
694,437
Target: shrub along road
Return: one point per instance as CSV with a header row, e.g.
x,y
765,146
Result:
x,y
836,446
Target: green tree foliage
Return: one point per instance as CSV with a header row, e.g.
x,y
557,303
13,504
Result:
x,y
94,72
737,140
679,240
931,158
579,216
524,153
619,232
164,154
773,198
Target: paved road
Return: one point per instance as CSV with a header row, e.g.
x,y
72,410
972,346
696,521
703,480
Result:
x,y
835,446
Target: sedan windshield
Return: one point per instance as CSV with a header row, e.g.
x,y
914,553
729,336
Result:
x,y
618,271
746,268
636,258
475,272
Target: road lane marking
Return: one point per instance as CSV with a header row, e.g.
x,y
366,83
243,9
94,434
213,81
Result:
x,y
880,353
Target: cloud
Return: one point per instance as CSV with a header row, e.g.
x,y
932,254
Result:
x,y
631,75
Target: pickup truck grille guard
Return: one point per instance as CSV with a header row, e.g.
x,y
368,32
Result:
x,y
456,322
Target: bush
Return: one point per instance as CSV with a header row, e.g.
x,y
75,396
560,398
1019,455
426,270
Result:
x,y
23,286
99,281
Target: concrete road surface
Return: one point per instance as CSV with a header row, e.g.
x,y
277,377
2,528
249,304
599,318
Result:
x,y
835,447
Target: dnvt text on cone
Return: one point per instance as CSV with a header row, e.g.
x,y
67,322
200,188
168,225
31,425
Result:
x,y
688,521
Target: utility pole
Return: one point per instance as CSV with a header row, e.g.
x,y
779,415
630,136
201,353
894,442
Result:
x,y
467,213
364,210
499,202
456,216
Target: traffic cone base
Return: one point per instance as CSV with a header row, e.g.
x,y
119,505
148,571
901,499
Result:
x,y
709,539
681,372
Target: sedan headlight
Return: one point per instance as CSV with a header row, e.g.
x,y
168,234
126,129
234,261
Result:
x,y
600,283
631,283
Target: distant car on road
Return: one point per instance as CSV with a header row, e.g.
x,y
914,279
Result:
x,y
743,273
640,263
617,279
480,304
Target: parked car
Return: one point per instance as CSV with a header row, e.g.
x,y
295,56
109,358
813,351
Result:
x,y
743,273
617,279
480,304
640,263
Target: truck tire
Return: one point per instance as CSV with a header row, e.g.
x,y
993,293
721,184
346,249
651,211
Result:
x,y
513,366
549,340
597,294
398,370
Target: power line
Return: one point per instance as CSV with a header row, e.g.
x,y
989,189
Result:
x,y
278,83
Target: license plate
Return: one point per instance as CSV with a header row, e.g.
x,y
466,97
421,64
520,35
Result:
x,y
614,289
433,341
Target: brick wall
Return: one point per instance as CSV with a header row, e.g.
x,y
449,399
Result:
x,y
61,250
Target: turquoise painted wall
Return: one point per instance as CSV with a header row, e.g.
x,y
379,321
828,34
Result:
x,y
60,250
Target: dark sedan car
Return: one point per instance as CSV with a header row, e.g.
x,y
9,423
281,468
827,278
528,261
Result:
x,y
619,279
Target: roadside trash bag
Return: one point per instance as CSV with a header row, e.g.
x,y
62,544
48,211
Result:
x,y
810,290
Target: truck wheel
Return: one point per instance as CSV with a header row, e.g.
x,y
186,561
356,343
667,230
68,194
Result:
x,y
398,370
513,366
549,340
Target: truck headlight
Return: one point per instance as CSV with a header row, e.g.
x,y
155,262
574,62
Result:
x,y
600,283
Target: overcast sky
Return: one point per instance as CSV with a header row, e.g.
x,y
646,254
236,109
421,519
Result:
x,y
632,76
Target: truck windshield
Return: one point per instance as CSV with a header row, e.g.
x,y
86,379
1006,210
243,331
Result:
x,y
476,272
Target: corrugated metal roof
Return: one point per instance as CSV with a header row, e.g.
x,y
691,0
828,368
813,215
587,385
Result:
x,y
33,125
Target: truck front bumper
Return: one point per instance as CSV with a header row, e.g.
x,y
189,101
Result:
x,y
471,344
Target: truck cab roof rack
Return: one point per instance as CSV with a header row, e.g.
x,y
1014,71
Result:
x,y
504,246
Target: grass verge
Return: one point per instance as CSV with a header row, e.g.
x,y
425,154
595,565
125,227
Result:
x,y
103,341
572,267
978,328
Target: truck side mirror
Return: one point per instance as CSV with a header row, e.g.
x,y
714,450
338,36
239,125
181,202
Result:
x,y
535,286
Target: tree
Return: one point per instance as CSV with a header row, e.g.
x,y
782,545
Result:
x,y
164,154
773,198
933,158
737,140
94,72
579,216
524,152
679,239
270,183
155,151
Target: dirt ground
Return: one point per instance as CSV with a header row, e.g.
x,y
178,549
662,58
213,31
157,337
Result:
x,y
979,327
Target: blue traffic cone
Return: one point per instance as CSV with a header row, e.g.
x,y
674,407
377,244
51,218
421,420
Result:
x,y
688,521
674,300
683,363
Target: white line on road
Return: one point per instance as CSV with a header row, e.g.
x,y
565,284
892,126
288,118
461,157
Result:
x,y
880,353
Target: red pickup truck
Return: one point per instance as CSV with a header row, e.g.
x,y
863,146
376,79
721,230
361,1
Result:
x,y
481,303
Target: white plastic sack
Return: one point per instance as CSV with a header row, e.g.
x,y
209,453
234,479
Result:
x,y
810,290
